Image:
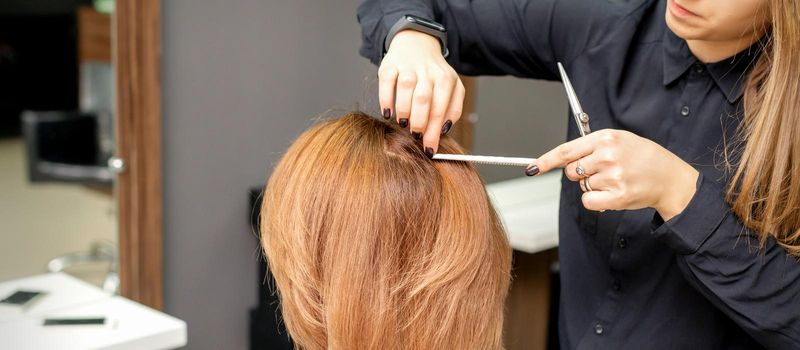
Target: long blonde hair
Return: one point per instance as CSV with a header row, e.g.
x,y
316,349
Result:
x,y
765,189
374,246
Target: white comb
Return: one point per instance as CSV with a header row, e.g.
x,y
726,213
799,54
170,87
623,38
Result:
x,y
513,161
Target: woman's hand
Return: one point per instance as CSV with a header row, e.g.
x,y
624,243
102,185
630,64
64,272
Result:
x,y
624,171
419,86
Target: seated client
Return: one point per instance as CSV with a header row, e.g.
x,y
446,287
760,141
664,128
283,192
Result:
x,y
375,246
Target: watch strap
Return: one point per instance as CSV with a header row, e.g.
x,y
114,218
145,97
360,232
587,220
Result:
x,y
412,22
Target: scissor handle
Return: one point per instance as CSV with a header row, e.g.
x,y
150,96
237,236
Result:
x,y
583,118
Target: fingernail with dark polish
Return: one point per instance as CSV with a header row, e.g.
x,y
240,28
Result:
x,y
446,127
429,152
533,170
403,122
417,135
387,113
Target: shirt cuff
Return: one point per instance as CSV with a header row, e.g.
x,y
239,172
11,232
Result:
x,y
687,231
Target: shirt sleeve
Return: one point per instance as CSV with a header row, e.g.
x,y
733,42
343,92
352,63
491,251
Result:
x,y
523,38
757,288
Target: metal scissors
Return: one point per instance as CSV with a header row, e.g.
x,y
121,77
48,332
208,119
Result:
x,y
581,119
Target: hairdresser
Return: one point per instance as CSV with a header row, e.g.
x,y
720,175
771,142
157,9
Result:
x,y
680,214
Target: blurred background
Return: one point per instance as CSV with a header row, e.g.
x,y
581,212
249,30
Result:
x,y
239,81
56,134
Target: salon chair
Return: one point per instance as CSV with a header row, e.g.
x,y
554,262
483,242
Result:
x,y
552,322
267,330
68,146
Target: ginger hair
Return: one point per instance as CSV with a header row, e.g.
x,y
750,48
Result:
x,y
765,189
375,246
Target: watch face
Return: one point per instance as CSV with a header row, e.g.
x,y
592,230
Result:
x,y
425,22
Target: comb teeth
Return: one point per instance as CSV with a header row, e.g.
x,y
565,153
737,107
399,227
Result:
x,y
511,161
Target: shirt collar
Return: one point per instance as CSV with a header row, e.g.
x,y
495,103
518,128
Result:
x,y
729,74
677,57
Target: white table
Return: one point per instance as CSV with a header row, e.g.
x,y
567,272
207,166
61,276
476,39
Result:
x,y
128,325
528,208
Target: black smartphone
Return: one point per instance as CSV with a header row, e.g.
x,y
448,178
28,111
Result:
x,y
21,297
74,321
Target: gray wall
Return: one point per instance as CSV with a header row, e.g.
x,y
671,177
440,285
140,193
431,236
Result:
x,y
518,118
240,80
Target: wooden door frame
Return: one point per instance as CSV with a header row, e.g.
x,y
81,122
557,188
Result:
x,y
136,56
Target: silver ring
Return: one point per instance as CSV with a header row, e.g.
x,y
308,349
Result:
x,y
579,169
586,184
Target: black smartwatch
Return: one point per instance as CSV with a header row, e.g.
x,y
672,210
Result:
x,y
421,25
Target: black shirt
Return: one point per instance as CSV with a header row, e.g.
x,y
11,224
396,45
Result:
x,y
630,280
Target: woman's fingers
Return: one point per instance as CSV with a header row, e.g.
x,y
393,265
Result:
x,y
608,192
430,139
442,95
387,81
420,87
420,107
599,200
443,91
455,107
564,154
406,83
601,197
428,107
589,164
597,182
624,171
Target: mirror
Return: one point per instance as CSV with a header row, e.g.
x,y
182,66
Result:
x,y
57,208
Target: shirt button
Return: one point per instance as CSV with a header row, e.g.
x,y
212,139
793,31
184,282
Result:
x,y
685,111
598,328
616,285
698,68
622,243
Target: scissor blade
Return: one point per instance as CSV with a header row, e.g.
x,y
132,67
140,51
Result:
x,y
512,161
574,104
573,98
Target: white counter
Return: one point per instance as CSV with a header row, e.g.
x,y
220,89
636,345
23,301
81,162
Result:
x,y
528,208
129,325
